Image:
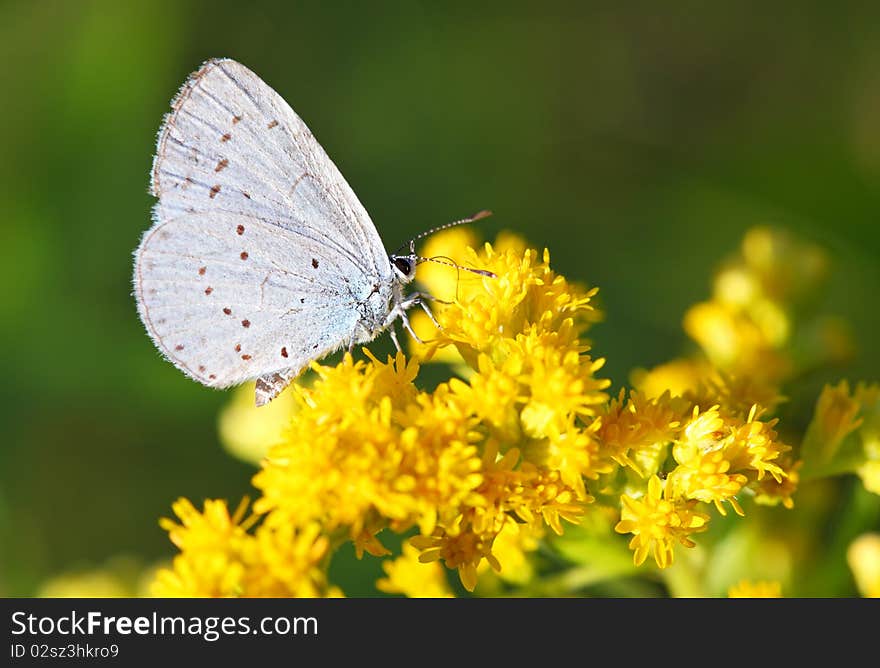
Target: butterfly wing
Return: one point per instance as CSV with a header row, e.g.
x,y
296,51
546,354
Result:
x,y
260,251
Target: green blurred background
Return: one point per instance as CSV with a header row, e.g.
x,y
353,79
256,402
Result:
x,y
637,145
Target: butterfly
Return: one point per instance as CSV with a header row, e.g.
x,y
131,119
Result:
x,y
260,258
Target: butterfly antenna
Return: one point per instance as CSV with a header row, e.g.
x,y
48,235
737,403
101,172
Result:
x,y
485,213
449,262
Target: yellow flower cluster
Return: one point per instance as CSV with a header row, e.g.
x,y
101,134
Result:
x,y
220,558
844,435
760,589
524,437
863,556
715,456
370,451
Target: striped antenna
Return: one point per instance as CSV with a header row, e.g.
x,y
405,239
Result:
x,y
451,263
485,213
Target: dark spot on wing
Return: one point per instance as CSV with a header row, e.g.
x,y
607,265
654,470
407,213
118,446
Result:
x,y
214,190
245,357
178,348
209,290
227,311
202,271
221,165
315,347
272,124
226,137
284,352
201,369
245,323
244,255
238,347
245,194
235,119
212,377
314,263
240,230
302,300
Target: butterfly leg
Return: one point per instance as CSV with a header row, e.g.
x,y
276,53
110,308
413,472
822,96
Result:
x,y
412,300
405,319
430,315
394,340
419,299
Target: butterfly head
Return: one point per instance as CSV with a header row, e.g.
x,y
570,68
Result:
x,y
404,266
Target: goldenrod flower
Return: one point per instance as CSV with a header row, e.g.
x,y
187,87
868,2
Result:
x,y
731,339
869,472
786,268
525,295
463,551
246,431
523,437
835,417
863,557
627,429
769,491
678,377
657,522
365,441
219,558
753,447
119,577
414,579
759,589
512,547
703,475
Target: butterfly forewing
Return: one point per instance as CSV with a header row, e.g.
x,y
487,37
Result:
x,y
260,251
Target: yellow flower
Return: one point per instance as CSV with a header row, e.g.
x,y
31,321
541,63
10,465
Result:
x,y
575,453
463,551
247,432
524,293
835,417
678,377
512,547
705,430
770,491
869,472
374,445
753,448
510,487
119,577
443,281
414,579
93,584
730,339
219,558
863,557
868,397
704,476
759,589
522,438
785,268
658,522
637,426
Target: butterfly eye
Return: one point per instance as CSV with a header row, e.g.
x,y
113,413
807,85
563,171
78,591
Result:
x,y
403,265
